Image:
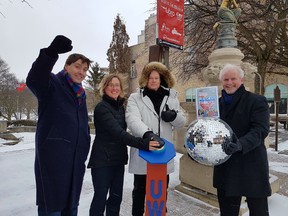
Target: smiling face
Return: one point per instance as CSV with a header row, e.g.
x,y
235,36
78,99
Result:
x,y
77,70
113,89
231,81
154,80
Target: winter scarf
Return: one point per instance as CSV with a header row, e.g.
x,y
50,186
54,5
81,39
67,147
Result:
x,y
76,87
228,98
156,97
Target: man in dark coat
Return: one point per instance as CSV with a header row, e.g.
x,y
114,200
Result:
x,y
62,136
246,172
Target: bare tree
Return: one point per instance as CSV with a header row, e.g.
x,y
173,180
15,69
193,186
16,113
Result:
x,y
261,34
8,100
94,77
14,103
4,73
26,2
27,104
23,1
8,84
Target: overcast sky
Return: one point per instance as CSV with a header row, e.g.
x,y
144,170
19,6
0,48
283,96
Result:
x,y
89,24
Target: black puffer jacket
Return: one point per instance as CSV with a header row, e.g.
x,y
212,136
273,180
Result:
x,y
110,144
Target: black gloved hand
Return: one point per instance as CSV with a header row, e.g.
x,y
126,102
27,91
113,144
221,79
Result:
x,y
152,136
168,115
231,146
60,44
234,138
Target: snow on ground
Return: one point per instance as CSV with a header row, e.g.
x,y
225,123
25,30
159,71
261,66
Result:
x,y
17,184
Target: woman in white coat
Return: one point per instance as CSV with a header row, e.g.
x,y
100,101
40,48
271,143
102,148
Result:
x,y
153,109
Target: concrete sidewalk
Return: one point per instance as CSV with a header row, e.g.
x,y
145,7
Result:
x,y
180,204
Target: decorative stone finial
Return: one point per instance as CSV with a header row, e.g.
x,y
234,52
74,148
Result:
x,y
228,14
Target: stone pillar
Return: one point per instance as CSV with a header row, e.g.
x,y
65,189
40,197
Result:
x,y
179,134
3,126
226,35
196,178
218,58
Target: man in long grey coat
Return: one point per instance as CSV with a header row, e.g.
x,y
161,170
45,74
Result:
x,y
246,172
62,136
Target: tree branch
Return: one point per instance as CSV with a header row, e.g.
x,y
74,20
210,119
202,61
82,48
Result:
x,y
23,1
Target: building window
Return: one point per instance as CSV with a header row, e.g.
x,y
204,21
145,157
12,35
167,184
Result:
x,y
133,72
190,95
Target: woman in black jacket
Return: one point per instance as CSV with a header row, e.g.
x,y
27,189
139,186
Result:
x,y
109,152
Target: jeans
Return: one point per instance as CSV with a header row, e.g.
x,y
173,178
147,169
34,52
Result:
x,y
107,179
139,193
230,206
65,212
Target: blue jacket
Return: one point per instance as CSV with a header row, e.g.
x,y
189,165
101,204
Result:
x,y
62,137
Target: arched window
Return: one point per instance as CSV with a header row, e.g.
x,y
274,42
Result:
x,y
190,95
269,94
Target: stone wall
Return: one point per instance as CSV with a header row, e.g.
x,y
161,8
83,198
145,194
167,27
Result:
x,y
22,129
3,126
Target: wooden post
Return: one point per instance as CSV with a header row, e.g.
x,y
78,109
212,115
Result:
x,y
160,54
276,126
277,99
155,53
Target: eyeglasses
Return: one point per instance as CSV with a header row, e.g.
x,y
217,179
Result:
x,y
111,85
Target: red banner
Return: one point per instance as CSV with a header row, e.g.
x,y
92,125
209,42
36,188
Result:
x,y
170,23
21,87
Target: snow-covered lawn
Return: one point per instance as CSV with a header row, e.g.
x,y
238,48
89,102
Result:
x,y
17,185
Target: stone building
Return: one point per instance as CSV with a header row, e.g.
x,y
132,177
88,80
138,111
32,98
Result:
x,y
195,178
186,89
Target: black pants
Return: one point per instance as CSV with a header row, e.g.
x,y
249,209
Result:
x,y
230,206
107,180
65,212
139,193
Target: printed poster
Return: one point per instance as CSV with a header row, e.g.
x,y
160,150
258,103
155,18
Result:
x,y
207,102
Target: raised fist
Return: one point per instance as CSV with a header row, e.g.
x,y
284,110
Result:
x,y
60,44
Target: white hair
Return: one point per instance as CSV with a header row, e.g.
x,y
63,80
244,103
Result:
x,y
231,67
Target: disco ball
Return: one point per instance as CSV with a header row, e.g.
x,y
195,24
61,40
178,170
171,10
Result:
x,y
204,139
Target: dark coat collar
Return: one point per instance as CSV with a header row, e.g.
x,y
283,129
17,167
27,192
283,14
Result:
x,y
115,103
235,98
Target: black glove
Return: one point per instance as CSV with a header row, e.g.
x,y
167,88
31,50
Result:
x,y
60,44
152,136
231,146
168,115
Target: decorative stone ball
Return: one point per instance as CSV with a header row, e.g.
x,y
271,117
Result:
x,y
204,140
